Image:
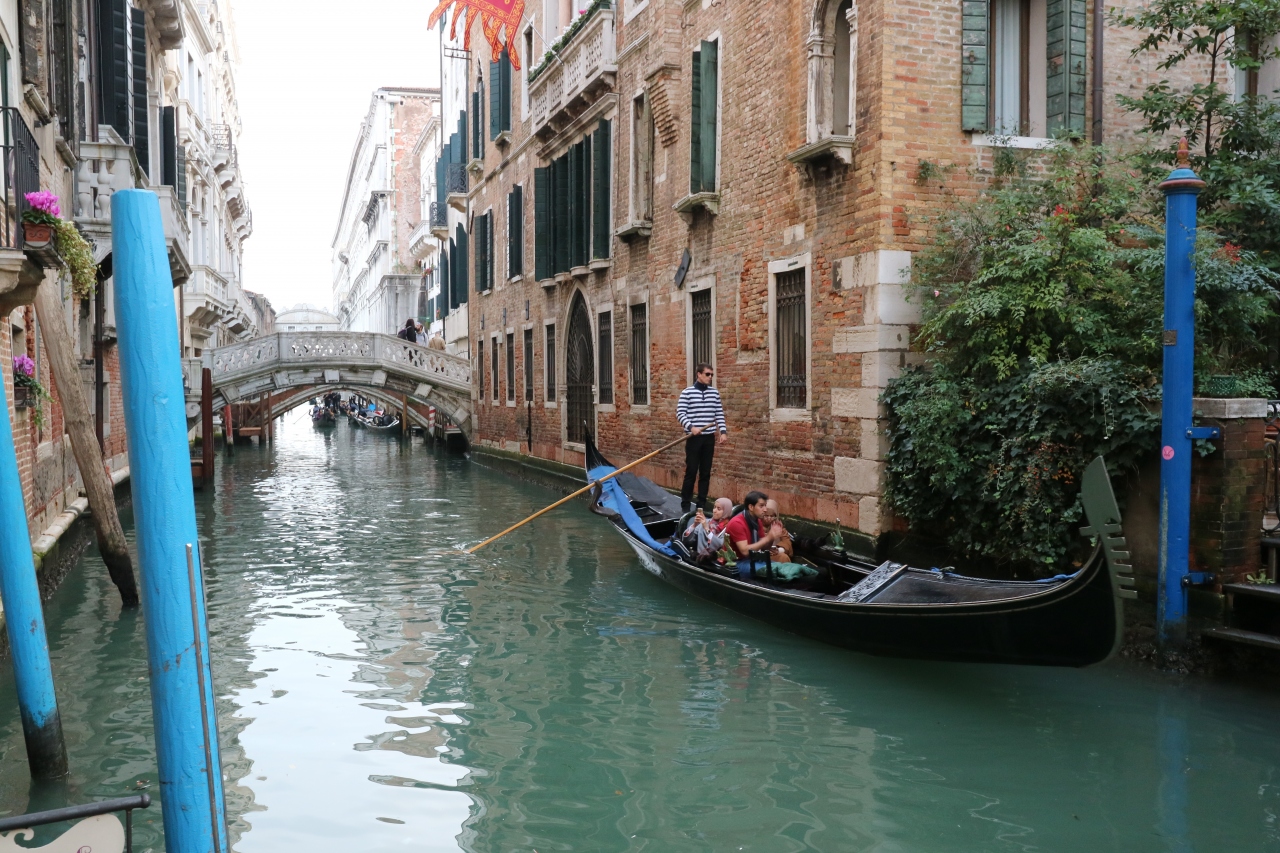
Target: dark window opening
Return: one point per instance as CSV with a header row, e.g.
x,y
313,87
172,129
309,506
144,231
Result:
x,y
791,340
640,355
605,348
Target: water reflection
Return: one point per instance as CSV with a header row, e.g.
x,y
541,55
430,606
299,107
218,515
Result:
x,y
378,690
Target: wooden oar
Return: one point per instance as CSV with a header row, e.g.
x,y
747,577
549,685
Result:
x,y
588,487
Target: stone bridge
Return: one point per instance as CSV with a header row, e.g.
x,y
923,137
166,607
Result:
x,y
306,363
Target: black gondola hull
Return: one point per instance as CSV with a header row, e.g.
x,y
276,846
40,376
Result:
x,y
1073,623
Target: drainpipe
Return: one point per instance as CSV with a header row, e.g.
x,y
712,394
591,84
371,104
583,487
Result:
x,y
1099,22
99,369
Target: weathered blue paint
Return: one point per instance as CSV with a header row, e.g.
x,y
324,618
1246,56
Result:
x,y
24,620
1181,189
164,513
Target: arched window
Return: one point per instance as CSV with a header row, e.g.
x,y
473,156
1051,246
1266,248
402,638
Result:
x,y
833,81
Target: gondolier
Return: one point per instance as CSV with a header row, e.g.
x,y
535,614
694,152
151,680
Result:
x,y
698,411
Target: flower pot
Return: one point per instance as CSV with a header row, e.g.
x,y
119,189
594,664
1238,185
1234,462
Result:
x,y
35,236
23,398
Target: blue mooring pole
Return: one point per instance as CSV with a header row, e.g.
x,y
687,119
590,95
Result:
x,y
186,724
1180,189
24,620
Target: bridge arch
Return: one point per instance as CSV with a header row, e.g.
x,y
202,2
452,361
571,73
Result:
x,y
371,363
299,396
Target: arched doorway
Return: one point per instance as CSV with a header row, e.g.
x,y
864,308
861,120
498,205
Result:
x,y
579,372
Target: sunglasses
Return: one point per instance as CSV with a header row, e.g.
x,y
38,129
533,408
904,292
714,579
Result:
x,y
708,373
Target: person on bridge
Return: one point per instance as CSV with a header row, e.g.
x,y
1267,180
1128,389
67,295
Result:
x,y
420,334
436,342
409,332
699,407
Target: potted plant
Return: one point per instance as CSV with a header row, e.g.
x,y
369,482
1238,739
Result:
x,y
40,219
27,390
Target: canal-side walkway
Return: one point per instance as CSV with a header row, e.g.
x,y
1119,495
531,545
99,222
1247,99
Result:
x,y
378,691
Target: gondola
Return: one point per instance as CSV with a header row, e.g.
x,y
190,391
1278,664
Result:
x,y
372,423
323,417
893,609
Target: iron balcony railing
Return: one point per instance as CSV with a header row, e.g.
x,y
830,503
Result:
x,y
21,175
89,810
455,178
439,215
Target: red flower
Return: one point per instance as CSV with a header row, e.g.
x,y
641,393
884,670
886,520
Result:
x,y
1060,211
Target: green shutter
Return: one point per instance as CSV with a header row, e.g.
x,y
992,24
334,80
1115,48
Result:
x,y
446,279
601,196
495,95
1068,55
577,197
169,146
582,247
975,64
180,185
515,230
478,235
460,259
710,104
695,127
504,77
560,214
541,223
114,63
141,104
491,259
477,122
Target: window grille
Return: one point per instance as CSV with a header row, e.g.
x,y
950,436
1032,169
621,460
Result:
x,y
703,342
640,355
791,340
511,367
549,354
528,364
605,348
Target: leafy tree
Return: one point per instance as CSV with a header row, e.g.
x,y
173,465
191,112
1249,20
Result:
x,y
1235,137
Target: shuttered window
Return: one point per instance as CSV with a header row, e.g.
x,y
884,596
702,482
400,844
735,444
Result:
x,y
703,148
511,367
494,364
169,147
477,121
543,264
601,205
141,104
446,279
483,237
640,355
790,346
115,95
480,365
549,356
528,364
974,65
604,328
460,266
499,95
515,231
1067,54
700,317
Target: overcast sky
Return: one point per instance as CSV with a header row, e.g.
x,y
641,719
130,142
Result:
x,y
308,68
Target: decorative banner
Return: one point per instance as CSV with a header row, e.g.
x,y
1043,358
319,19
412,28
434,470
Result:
x,y
495,15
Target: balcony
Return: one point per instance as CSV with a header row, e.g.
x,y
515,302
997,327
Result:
x,y
439,220
422,240
168,21
576,72
21,175
204,297
455,186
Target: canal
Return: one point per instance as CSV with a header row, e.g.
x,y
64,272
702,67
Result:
x,y
379,691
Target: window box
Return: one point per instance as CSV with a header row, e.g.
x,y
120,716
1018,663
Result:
x,y
580,272
548,283
600,264
839,148
708,201
23,397
639,229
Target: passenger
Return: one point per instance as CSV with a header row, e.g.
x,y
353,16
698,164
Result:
x,y
707,534
750,538
782,550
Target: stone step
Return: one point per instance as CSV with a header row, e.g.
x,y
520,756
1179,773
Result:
x,y
1242,637
1261,591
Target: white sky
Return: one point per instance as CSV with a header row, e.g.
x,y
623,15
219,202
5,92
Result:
x,y
308,69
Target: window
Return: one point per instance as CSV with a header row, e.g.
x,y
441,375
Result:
x,y
515,231
549,355
700,327
494,363
500,95
642,134
528,364
141,104
1264,81
511,367
604,327
703,143
459,266
480,366
1006,43
571,206
477,120
640,355
791,350
115,101
844,74
484,252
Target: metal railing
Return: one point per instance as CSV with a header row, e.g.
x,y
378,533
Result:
x,y
439,217
21,175
123,804
222,138
455,178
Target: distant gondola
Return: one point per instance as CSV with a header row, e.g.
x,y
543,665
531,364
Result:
x,y
323,417
893,609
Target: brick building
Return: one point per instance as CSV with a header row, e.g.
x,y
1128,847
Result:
x,y
744,183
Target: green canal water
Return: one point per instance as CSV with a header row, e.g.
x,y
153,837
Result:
x,y
379,692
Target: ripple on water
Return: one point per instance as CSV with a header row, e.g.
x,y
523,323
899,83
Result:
x,y
378,690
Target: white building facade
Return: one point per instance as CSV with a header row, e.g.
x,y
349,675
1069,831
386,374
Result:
x,y
378,282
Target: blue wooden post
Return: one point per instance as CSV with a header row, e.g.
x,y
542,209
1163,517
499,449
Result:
x,y
24,620
1180,189
164,513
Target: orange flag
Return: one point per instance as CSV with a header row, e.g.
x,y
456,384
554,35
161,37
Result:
x,y
495,16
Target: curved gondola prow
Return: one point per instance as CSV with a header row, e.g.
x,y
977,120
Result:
x,y
1103,514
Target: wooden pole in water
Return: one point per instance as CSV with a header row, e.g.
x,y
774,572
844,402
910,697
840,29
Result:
x,y
404,415
206,428
84,444
228,429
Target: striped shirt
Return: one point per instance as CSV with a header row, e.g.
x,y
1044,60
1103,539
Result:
x,y
700,405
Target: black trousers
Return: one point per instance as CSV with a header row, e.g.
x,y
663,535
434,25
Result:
x,y
699,450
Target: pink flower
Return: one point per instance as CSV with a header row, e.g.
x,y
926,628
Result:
x,y
24,365
937,293
45,202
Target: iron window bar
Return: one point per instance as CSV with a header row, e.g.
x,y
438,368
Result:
x,y
21,176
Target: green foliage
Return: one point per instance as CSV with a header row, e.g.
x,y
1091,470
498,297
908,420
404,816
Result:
x,y
1042,310
1235,139
76,252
